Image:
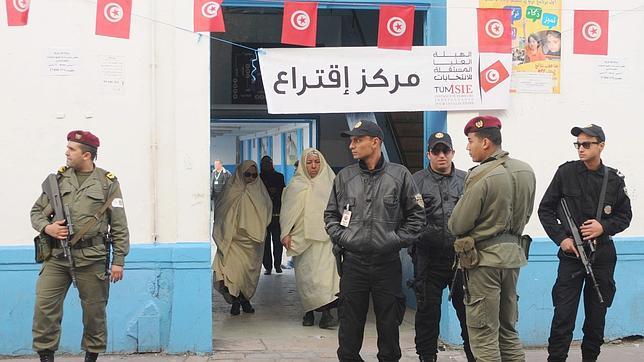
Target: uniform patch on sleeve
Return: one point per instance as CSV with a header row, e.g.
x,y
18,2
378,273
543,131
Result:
x,y
117,202
419,200
110,176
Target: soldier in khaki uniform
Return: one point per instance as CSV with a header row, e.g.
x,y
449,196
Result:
x,y
488,221
85,188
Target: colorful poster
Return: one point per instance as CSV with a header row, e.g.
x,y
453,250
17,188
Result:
x,y
536,44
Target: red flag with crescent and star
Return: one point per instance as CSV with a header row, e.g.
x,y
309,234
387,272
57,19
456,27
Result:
x,y
17,12
300,23
494,30
591,32
493,75
209,16
396,27
113,18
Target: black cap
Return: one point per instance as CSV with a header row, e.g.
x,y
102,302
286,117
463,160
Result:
x,y
591,130
364,128
439,137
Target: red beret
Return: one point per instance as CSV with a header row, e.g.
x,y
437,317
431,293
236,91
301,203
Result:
x,y
84,137
479,122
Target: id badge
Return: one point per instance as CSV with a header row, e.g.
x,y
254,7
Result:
x,y
346,218
216,182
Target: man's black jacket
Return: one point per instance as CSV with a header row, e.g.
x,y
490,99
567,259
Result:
x,y
440,195
387,210
581,188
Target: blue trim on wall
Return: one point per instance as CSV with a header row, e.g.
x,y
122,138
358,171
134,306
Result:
x,y
435,34
300,143
162,304
342,4
624,318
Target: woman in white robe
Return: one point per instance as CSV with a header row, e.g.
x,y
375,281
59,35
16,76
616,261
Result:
x,y
242,214
304,236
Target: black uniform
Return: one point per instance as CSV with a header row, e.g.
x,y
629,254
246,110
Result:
x,y
274,182
581,188
433,257
387,215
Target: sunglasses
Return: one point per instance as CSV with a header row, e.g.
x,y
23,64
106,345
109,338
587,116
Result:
x,y
248,174
585,145
440,149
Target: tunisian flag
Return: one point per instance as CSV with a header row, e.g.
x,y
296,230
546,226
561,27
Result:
x,y
495,30
591,32
209,16
113,18
17,12
396,27
300,23
493,75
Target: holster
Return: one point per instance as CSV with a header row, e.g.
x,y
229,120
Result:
x,y
466,250
525,241
42,248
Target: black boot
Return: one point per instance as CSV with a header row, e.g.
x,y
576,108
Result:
x,y
46,356
234,309
309,319
427,358
91,356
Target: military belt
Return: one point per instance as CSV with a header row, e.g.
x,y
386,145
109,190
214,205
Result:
x,y
498,239
84,242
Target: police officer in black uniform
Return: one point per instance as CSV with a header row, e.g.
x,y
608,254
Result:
x,y
374,210
440,184
580,183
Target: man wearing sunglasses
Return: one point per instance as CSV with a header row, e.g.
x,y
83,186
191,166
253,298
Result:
x,y
374,210
599,205
274,182
432,254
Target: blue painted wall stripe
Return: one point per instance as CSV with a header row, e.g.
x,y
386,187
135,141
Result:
x,y
164,301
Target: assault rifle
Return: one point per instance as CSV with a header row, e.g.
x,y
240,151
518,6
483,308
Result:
x,y
579,245
50,188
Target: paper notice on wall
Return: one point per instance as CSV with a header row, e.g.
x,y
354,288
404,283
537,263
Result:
x,y
111,69
532,82
611,70
61,62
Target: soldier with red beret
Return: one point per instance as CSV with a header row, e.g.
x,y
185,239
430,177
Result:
x,y
488,221
95,204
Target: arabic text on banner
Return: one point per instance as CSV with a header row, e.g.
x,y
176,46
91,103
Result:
x,y
536,43
368,79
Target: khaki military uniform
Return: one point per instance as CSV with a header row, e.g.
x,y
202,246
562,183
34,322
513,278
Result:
x,y
494,211
89,255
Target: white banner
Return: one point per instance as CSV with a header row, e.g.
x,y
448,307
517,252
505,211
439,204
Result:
x,y
368,79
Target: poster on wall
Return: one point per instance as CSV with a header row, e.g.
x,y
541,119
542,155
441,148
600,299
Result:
x,y
536,44
265,147
245,89
291,147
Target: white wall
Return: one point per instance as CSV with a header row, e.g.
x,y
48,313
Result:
x,y
536,127
154,132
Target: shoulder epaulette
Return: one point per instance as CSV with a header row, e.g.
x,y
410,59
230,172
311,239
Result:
x,y
62,169
110,176
566,163
617,172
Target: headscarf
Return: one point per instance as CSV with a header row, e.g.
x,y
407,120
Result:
x,y
306,197
242,209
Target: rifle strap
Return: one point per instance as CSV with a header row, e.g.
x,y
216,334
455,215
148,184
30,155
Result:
x,y
602,196
92,222
470,181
